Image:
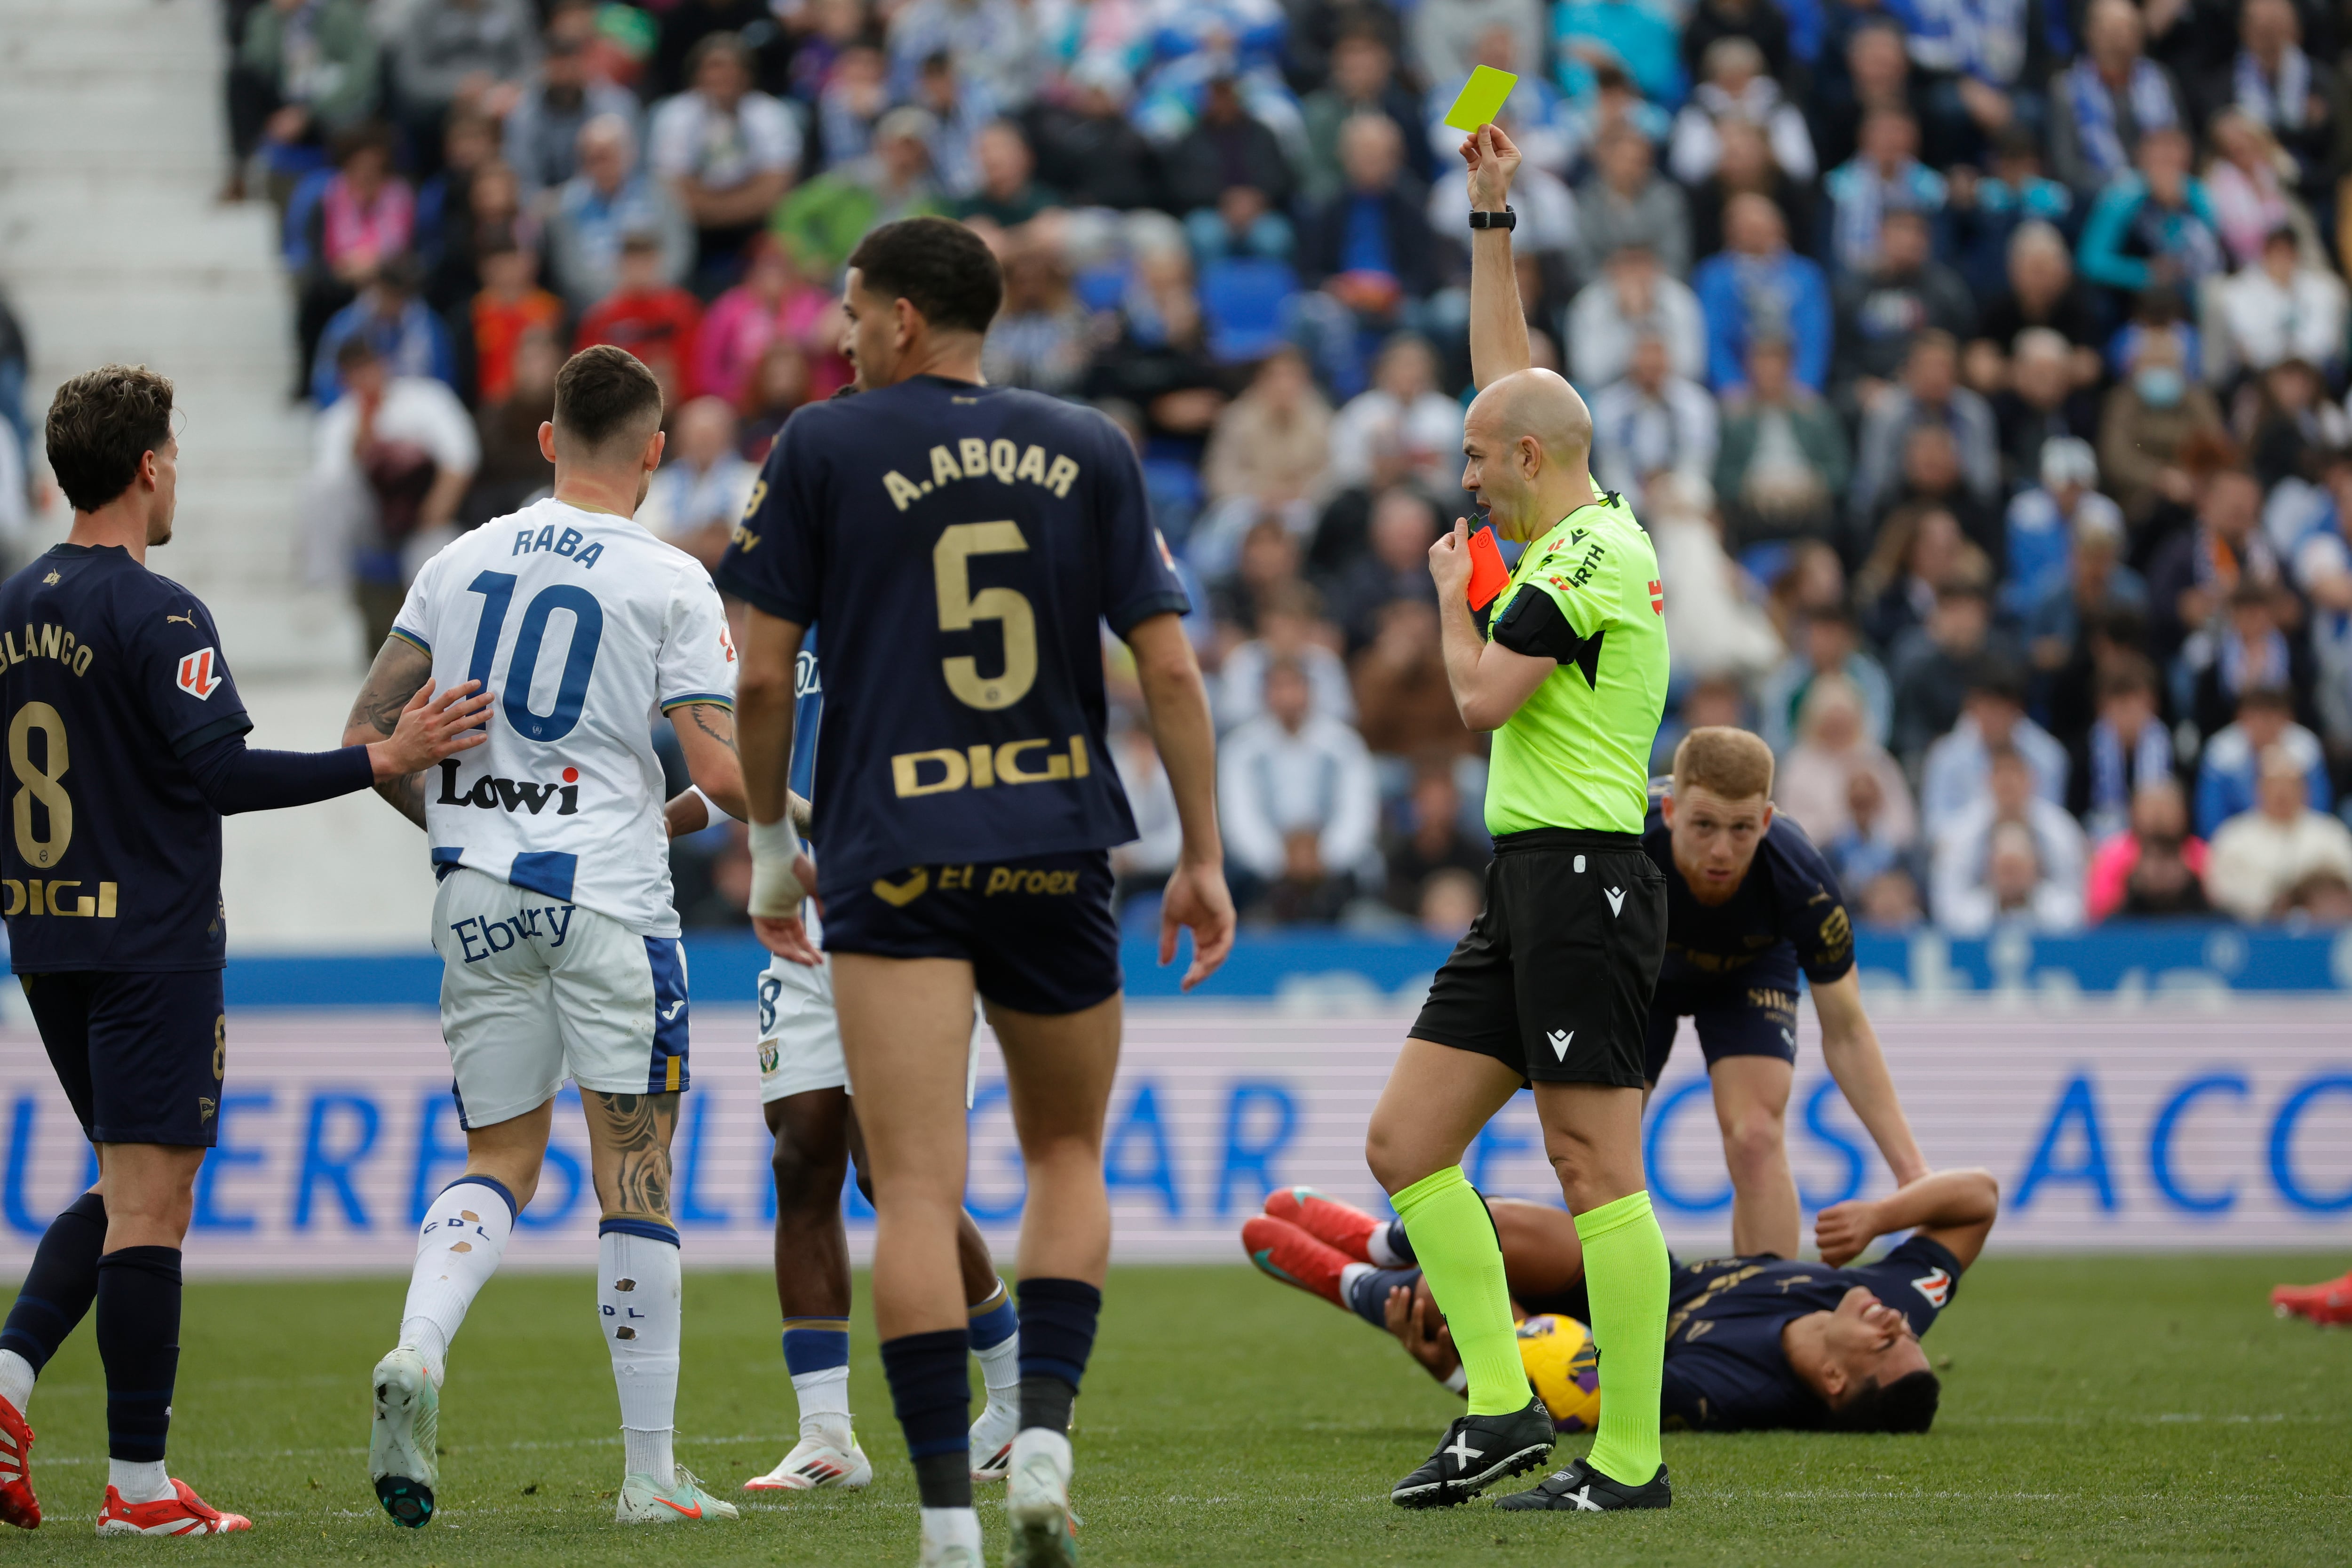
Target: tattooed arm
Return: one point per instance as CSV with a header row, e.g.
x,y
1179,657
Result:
x,y
706,733
628,1142
401,671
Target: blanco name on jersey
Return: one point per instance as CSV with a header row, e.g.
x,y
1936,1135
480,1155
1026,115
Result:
x,y
586,628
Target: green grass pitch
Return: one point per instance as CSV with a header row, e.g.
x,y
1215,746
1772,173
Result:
x,y
2110,1412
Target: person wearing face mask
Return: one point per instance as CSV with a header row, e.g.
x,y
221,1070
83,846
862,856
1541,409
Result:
x,y
2143,425
1753,1342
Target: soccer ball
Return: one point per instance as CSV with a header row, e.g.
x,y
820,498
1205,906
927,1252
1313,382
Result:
x,y
1565,1370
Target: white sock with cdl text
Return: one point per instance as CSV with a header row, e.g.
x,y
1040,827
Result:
x,y
640,1307
459,1245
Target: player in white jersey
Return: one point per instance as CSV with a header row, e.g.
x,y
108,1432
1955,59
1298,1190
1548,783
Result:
x,y
559,943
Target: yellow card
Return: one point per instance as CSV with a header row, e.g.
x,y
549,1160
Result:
x,y
1481,99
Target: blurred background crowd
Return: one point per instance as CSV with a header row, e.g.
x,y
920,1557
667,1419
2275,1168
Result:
x,y
1976,366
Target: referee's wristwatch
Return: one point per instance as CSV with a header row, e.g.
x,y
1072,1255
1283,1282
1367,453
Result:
x,y
1506,218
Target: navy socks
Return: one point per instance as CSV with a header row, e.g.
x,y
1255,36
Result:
x,y
60,1286
932,1393
139,1341
1057,1335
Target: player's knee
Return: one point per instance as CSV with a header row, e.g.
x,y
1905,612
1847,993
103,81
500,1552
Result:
x,y
804,1182
1393,1158
1755,1142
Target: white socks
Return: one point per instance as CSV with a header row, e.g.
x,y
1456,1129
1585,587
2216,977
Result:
x,y
952,1527
824,1404
637,1299
457,1249
16,1380
1000,1368
135,1481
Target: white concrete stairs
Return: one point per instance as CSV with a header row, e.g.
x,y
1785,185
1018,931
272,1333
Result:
x,y
113,146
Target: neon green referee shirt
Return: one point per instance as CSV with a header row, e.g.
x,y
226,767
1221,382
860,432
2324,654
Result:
x,y
1577,752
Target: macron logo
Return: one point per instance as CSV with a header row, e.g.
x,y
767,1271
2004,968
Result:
x,y
1616,897
1559,1040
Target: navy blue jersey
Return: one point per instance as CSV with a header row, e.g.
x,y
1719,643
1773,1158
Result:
x,y
114,676
962,546
1787,915
1725,1365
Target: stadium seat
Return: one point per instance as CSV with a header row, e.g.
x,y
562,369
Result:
x,y
1241,298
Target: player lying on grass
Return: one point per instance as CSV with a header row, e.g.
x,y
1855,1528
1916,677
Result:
x,y
1751,1343
804,1099
2329,1301
1750,903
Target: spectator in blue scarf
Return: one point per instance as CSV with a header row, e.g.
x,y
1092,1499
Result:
x,y
2108,99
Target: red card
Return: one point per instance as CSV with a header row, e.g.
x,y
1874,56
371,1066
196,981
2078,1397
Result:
x,y
1488,576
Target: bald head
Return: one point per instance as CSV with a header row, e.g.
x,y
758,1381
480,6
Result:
x,y
1541,404
1528,441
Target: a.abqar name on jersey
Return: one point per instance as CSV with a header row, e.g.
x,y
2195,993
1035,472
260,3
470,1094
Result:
x,y
490,793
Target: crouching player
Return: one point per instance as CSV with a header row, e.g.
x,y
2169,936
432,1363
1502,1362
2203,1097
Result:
x,y
1749,903
1751,1341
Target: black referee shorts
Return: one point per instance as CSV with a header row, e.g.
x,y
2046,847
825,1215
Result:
x,y
1555,975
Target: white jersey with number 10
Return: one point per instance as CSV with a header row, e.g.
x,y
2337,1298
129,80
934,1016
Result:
x,y
586,626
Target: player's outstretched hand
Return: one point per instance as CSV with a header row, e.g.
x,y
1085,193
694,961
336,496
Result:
x,y
1449,563
432,728
1842,1230
1493,160
787,937
1198,900
1408,1318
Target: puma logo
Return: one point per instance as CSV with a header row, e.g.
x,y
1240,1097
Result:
x,y
899,895
1616,897
188,621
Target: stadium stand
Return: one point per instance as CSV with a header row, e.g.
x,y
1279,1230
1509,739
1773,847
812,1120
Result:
x,y
1978,368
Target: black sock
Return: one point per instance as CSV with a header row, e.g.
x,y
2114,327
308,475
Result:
x,y
1057,1334
932,1393
1401,1243
61,1284
139,1341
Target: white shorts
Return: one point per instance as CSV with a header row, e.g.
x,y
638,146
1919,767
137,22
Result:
x,y
534,990
800,1034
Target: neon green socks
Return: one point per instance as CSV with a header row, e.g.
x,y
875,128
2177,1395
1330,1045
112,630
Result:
x,y
1454,1237
1626,1275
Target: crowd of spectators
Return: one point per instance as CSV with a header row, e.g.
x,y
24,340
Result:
x,y
1976,367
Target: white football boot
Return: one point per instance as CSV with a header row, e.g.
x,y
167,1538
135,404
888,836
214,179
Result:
x,y
992,1439
644,1500
401,1437
1037,1502
818,1459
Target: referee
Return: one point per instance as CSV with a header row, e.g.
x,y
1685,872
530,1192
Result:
x,y
1552,984
961,545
